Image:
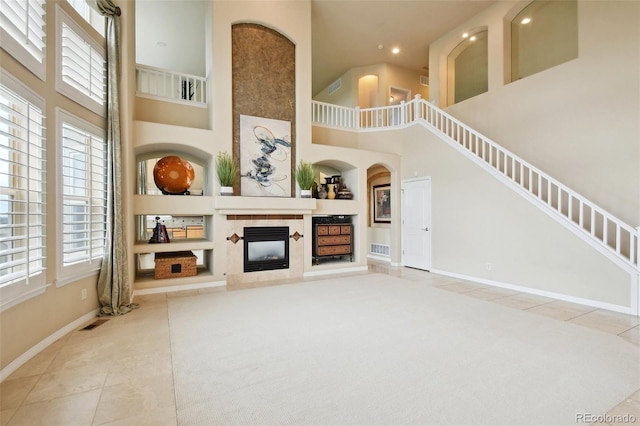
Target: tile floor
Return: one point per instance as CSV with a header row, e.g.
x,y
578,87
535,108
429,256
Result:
x,y
120,373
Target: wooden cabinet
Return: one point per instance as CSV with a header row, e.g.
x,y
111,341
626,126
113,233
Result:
x,y
332,240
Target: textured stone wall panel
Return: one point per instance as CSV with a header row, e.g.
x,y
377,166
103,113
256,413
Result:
x,y
264,83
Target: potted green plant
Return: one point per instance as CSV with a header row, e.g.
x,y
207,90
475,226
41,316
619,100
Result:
x,y
226,171
305,176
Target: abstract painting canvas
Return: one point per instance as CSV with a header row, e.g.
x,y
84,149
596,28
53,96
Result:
x,y
265,157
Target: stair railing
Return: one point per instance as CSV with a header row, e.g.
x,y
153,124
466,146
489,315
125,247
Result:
x,y
611,235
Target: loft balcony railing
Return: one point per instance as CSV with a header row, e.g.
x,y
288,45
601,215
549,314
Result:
x,y
169,85
604,231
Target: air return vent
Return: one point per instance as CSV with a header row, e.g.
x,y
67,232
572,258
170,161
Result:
x,y
94,324
381,249
335,86
424,80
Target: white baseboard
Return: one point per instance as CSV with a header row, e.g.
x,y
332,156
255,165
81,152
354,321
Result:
x,y
43,344
181,287
559,296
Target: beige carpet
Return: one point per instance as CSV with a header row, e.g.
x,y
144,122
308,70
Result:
x,y
379,350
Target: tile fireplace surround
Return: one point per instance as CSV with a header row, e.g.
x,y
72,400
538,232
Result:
x,y
244,212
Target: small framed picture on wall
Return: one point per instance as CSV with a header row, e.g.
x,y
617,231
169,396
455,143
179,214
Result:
x,y
381,203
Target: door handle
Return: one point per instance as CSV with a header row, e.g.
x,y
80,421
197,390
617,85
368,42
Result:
x,y
426,229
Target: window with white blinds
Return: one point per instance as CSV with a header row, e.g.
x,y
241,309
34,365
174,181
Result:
x,y
89,14
81,65
84,194
23,32
22,193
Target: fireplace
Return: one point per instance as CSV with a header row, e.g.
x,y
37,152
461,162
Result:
x,y
266,248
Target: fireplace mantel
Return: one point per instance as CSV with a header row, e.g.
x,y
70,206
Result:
x,y
263,205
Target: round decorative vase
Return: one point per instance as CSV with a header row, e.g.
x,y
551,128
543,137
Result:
x,y
344,193
332,192
226,190
305,193
173,175
322,193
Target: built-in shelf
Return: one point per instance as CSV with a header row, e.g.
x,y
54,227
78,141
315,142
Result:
x,y
269,205
175,245
173,204
188,218
146,280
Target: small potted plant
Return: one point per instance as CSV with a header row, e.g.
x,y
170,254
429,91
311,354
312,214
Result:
x,y
226,170
305,176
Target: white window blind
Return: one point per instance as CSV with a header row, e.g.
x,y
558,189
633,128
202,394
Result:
x,y
81,65
22,190
23,32
84,180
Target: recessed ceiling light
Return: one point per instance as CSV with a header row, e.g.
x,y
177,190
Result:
x,y
525,21
465,35
395,50
473,38
380,47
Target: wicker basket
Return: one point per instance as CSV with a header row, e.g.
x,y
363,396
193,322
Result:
x,y
175,264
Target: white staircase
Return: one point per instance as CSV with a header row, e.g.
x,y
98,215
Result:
x,y
602,230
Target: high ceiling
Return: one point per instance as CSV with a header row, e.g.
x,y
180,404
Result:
x,y
347,33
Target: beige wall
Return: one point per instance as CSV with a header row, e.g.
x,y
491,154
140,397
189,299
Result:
x,y
579,121
157,111
346,95
388,76
404,79
25,325
478,220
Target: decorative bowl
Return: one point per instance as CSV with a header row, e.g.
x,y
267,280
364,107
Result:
x,y
173,175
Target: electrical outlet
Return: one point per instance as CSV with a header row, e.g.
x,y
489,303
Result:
x,y
488,266
83,294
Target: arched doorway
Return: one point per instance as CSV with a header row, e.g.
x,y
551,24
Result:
x,y
379,231
368,91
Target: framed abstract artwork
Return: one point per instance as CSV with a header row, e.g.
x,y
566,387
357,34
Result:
x,y
265,157
381,203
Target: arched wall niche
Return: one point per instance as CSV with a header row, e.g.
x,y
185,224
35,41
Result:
x,y
543,35
263,83
145,162
347,171
368,91
506,36
377,174
468,67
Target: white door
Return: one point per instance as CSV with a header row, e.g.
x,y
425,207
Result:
x,y
416,223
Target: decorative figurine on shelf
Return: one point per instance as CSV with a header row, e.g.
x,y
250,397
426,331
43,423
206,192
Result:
x,y
159,233
344,193
332,192
331,189
322,192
